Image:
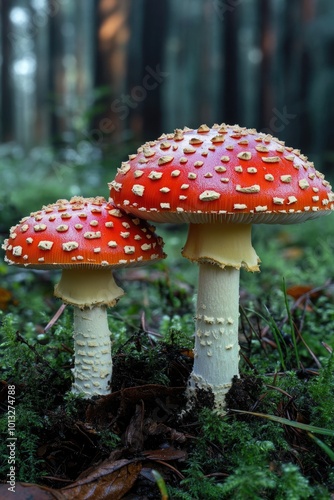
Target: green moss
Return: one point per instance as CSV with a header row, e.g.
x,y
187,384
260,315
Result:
x,y
322,392
27,429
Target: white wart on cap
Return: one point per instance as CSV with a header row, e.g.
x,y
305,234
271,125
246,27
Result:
x,y
82,232
224,173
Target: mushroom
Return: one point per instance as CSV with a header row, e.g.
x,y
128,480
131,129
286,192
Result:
x,y
86,238
220,180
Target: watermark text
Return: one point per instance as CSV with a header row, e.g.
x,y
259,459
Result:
x,y
11,439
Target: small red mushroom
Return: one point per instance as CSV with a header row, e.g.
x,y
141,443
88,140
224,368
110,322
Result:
x,y
220,180
86,238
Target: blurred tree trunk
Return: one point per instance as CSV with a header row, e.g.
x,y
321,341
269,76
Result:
x,y
41,133
267,48
104,71
113,37
47,72
155,19
71,76
193,60
5,105
248,41
231,73
308,12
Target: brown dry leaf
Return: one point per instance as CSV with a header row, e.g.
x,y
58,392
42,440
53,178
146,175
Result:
x,y
189,353
27,491
108,481
293,253
153,428
166,454
5,298
296,291
134,436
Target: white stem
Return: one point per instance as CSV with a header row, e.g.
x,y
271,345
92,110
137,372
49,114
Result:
x,y
92,350
216,342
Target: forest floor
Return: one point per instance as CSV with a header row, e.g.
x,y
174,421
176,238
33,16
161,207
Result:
x,y
276,440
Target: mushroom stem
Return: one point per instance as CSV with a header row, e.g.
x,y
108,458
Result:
x,y
221,250
216,341
90,291
92,350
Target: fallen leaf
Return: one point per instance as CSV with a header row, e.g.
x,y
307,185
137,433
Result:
x,y
134,436
293,253
5,298
27,491
297,291
189,353
108,481
153,428
165,454
302,292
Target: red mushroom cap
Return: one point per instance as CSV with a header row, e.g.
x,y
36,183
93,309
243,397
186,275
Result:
x,y
224,173
82,232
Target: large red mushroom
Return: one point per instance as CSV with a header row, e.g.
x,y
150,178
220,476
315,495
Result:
x,y
86,238
220,180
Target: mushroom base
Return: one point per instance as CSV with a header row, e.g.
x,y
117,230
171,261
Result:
x,y
221,244
88,287
216,353
92,351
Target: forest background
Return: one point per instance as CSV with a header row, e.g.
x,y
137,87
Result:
x,y
84,78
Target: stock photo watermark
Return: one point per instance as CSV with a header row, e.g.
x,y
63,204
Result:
x,y
126,102
279,121
121,107
32,24
11,439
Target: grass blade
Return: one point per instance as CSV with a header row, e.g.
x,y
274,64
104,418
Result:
x,y
292,327
277,336
323,446
291,423
161,484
